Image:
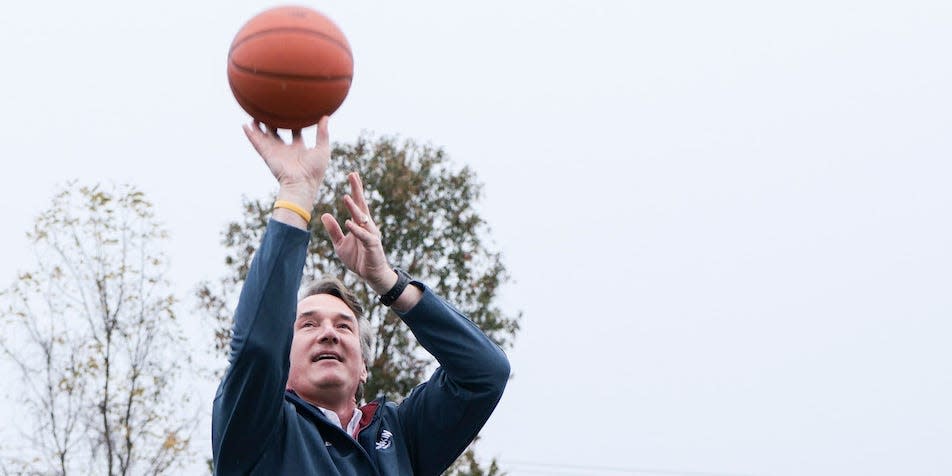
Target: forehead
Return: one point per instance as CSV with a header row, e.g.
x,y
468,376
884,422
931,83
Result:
x,y
324,305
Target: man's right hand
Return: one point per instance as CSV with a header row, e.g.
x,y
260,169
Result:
x,y
298,169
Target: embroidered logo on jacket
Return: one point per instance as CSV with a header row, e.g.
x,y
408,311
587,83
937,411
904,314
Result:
x,y
385,440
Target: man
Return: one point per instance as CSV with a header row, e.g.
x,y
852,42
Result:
x,y
288,402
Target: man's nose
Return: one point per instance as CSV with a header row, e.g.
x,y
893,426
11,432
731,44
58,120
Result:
x,y
328,334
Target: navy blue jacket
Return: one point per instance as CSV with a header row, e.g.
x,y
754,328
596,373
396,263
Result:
x,y
258,427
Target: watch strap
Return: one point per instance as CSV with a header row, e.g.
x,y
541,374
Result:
x,y
391,296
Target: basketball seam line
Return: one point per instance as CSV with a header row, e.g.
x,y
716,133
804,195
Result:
x,y
269,74
297,30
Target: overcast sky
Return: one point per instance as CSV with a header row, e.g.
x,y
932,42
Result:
x,y
728,222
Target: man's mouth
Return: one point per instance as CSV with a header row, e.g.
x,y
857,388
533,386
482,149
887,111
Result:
x,y
326,356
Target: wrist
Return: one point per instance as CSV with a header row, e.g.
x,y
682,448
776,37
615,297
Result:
x,y
384,282
303,196
298,202
392,295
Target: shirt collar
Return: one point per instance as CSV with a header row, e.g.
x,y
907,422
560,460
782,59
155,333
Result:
x,y
351,426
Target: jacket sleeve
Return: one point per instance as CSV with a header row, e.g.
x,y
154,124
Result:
x,y
247,407
443,415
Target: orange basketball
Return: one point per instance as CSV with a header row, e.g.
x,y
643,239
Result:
x,y
290,66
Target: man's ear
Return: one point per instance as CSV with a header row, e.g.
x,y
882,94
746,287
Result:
x,y
363,375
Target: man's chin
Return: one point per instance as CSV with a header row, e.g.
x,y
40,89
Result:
x,y
327,382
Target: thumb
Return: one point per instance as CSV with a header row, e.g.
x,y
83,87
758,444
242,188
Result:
x,y
254,136
259,140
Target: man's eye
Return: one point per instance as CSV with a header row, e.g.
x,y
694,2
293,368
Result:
x,y
343,326
308,324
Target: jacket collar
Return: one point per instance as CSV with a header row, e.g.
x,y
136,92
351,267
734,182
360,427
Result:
x,y
369,411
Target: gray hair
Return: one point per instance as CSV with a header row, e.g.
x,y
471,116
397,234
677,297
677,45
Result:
x,y
334,287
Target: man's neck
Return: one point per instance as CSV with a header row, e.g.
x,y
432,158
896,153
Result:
x,y
343,408
345,415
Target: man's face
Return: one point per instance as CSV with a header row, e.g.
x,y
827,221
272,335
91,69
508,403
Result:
x,y
326,363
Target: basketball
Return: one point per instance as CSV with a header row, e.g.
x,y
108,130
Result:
x,y
290,66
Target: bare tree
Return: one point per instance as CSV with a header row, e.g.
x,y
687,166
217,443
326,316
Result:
x,y
92,330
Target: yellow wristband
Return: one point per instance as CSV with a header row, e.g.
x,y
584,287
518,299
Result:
x,y
294,208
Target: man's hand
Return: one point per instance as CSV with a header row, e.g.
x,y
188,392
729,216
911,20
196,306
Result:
x,y
298,169
361,249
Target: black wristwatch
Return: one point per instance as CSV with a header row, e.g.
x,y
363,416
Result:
x,y
402,280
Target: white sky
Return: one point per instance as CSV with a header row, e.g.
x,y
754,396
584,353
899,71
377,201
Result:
x,y
728,221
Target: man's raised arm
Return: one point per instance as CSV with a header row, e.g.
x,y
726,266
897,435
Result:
x,y
247,406
442,416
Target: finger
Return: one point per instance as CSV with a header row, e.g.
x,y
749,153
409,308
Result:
x,y
254,136
357,190
333,228
360,216
296,136
274,134
323,135
367,237
253,128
